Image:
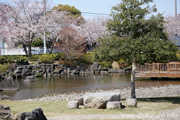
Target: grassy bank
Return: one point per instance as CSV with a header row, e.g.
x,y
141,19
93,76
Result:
x,y
51,108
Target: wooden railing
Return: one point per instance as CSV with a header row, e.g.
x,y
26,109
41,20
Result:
x,y
158,67
171,70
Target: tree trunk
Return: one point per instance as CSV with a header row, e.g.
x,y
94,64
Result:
x,y
133,93
25,49
29,50
52,46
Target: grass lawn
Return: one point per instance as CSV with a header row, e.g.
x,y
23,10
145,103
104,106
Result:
x,y
56,108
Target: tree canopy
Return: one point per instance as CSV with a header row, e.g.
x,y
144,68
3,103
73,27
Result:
x,y
70,9
134,36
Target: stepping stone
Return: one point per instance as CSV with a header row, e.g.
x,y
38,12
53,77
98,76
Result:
x,y
132,102
73,104
114,105
99,100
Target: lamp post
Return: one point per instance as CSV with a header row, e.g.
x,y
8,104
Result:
x,y
2,43
44,10
175,8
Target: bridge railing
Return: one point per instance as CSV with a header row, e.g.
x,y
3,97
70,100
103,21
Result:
x,y
158,67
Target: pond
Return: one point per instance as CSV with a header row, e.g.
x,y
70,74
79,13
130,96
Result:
x,y
59,84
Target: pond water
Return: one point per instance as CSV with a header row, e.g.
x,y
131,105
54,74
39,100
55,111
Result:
x,y
59,84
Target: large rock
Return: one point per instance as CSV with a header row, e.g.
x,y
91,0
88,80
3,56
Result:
x,y
36,114
18,70
5,97
114,105
9,84
5,113
131,102
73,104
115,65
99,100
30,79
95,65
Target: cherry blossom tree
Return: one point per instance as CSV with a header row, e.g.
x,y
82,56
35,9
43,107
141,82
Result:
x,y
173,26
92,29
22,20
55,22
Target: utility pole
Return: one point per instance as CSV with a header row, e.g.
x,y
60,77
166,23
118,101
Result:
x,y
175,8
44,10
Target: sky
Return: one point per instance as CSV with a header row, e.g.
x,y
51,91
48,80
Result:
x,y
167,7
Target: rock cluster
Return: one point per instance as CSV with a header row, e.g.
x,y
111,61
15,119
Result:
x,y
5,97
109,100
22,71
36,114
99,100
6,114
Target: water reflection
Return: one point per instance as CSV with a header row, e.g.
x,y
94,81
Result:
x,y
77,83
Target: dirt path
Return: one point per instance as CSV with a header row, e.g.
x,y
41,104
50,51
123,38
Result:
x,y
173,114
91,117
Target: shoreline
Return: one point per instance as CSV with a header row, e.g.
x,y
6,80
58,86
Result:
x,y
141,92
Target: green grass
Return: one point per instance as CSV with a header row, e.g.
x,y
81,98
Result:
x,y
56,108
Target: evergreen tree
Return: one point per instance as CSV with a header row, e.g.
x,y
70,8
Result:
x,y
135,38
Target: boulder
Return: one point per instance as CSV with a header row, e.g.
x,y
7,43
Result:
x,y
131,102
36,114
114,105
17,116
5,97
17,71
99,100
115,65
104,72
30,79
73,104
9,84
95,65
5,113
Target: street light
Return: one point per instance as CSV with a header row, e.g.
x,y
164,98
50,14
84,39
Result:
x,y
2,42
176,8
44,10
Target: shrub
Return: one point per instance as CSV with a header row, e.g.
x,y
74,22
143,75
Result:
x,y
87,58
20,59
34,58
4,67
105,64
2,59
46,58
13,58
178,56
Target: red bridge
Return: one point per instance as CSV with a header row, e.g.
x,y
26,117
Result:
x,y
168,70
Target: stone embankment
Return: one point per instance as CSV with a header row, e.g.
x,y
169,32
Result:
x,y
46,70
141,92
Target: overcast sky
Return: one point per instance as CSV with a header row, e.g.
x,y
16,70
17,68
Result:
x,y
104,6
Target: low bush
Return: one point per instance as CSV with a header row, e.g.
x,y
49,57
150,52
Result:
x,y
46,58
105,64
178,56
4,67
13,58
87,58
